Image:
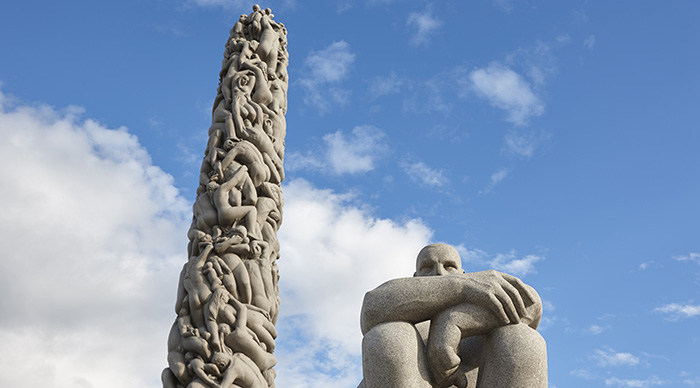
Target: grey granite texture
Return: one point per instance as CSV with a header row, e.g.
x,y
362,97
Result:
x,y
447,328
228,297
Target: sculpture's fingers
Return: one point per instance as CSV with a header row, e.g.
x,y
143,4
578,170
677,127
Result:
x,y
523,289
517,300
508,307
442,346
498,309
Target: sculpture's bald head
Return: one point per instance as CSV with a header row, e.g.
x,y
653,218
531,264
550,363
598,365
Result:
x,y
437,260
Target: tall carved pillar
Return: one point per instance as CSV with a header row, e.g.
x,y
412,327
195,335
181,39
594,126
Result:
x,y
228,298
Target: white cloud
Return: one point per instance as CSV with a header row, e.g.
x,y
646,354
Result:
x,y
424,24
342,7
504,5
596,329
93,238
332,253
692,382
505,262
548,305
225,4
538,61
607,357
296,161
583,374
325,69
562,39
653,380
432,96
237,5
352,153
524,143
386,85
589,43
357,152
495,179
498,176
645,265
509,263
677,311
507,90
692,256
420,172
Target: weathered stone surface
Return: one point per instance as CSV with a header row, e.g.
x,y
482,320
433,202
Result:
x,y
228,297
444,328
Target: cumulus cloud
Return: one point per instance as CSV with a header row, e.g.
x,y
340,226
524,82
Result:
x,y
507,90
325,70
676,311
420,173
607,357
342,153
332,253
357,152
509,263
93,236
424,24
651,381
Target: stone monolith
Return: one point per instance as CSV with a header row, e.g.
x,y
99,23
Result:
x,y
228,297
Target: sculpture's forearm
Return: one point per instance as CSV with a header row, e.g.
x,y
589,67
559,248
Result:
x,y
420,298
411,299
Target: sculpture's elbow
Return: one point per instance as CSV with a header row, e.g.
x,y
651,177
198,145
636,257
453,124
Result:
x,y
368,314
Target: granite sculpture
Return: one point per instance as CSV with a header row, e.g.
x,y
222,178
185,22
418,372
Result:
x,y
228,296
447,328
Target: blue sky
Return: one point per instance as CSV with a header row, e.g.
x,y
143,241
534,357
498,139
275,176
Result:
x,y
557,141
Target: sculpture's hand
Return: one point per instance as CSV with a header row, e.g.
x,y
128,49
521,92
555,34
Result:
x,y
446,331
443,343
504,295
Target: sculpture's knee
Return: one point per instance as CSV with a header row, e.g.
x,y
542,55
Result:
x,y
389,340
519,346
393,356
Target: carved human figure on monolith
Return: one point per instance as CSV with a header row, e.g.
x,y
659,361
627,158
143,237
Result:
x,y
228,299
445,328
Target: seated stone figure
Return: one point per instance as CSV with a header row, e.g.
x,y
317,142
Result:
x,y
447,328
